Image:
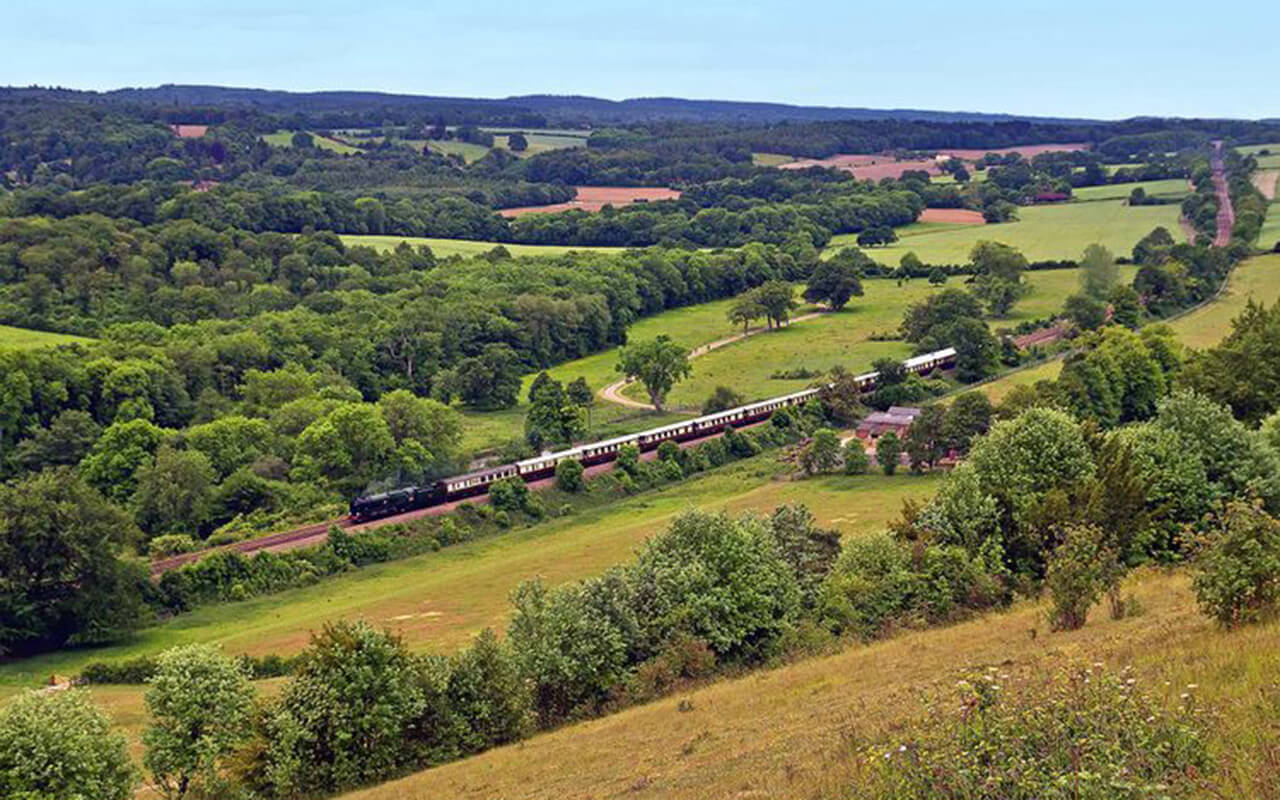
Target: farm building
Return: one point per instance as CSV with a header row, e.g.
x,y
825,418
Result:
x,y
896,419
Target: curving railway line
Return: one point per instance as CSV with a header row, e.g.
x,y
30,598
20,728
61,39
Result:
x,y
413,502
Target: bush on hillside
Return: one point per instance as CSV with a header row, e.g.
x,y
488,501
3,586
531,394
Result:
x,y
1093,734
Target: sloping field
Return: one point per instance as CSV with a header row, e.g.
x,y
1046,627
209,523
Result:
x,y
1041,233
1171,188
25,338
784,733
842,338
285,139
443,248
438,600
1258,278
594,198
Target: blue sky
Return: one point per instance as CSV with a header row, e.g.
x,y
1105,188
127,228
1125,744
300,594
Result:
x,y
1087,58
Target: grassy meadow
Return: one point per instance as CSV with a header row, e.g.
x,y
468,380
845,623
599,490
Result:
x,y
843,338
443,248
25,338
285,139
1170,188
771,159
1041,233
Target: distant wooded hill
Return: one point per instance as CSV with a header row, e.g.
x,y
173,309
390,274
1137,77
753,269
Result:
x,y
535,108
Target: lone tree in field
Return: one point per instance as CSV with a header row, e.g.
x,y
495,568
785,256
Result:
x,y
835,281
516,143
658,364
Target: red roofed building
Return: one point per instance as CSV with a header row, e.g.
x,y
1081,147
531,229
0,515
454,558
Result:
x,y
878,423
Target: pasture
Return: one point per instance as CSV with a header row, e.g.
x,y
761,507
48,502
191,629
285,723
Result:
x,y
790,732
771,159
283,138
842,338
1174,188
26,338
443,248
1041,233
439,600
540,141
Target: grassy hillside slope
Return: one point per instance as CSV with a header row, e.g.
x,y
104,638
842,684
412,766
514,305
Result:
x,y
786,732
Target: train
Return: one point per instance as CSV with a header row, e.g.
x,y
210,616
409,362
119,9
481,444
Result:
x,y
471,484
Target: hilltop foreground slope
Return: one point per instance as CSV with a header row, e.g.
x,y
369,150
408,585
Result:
x,y
789,732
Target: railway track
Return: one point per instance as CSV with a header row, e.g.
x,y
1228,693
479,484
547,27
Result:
x,y
1226,212
294,537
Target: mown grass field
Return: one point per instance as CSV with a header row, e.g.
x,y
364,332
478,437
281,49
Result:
x,y
1171,188
770,159
541,141
1257,278
1041,233
1269,161
438,600
443,248
788,732
285,139
25,338
843,338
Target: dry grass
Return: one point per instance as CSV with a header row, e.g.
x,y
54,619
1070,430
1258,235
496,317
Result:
x,y
784,732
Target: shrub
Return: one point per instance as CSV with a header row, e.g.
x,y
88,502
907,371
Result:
x,y
629,459
855,458
569,475
671,471
889,452
1074,576
668,451
344,719
171,545
1237,576
508,494
879,584
60,745
502,519
1093,734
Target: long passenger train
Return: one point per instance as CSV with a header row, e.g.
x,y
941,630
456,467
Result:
x,y
409,498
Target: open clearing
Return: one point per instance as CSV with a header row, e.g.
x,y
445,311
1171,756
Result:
x,y
771,159
843,338
25,338
875,166
784,732
1042,233
443,248
594,198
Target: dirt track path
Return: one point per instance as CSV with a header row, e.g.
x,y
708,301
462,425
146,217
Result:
x,y
613,392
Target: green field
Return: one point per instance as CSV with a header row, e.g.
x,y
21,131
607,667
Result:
x,y
26,339
771,159
540,141
443,248
1173,187
285,139
1269,161
437,601
690,327
1041,233
843,338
